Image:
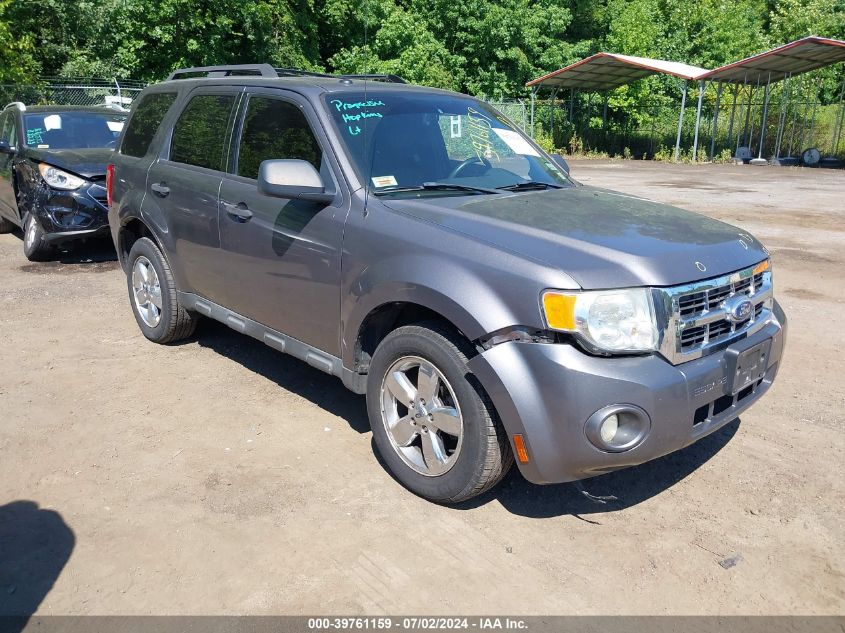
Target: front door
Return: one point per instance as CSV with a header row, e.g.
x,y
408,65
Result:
x,y
283,262
184,185
8,132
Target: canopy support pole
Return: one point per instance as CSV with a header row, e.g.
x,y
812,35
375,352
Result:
x,y
784,99
571,103
748,131
681,121
533,98
838,129
815,106
552,115
697,121
715,121
765,117
733,112
740,133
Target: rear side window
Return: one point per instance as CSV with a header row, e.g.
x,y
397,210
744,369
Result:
x,y
200,134
8,129
275,129
144,123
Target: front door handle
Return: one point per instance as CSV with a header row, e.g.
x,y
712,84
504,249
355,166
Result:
x,y
240,212
160,189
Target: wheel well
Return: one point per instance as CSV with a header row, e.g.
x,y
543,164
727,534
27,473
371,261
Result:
x,y
131,232
383,320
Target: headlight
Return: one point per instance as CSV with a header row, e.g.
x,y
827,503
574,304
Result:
x,y
605,320
59,179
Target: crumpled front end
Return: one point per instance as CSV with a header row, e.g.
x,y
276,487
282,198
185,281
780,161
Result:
x,y
66,215
555,396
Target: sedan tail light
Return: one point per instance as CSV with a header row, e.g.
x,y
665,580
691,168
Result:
x,y
109,184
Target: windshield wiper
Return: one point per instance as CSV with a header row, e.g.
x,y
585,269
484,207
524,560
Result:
x,y
436,186
530,185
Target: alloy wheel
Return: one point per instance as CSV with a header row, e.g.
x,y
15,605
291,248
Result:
x,y
421,415
146,291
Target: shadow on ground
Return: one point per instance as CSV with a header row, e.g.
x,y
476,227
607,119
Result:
x,y
631,485
97,254
325,391
35,545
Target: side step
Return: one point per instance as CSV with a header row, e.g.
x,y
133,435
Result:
x,y
277,340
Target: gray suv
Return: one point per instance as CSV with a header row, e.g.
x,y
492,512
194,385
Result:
x,y
416,244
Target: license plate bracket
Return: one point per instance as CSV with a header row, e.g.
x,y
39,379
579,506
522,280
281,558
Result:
x,y
747,364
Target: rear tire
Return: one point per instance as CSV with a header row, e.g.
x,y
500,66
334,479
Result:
x,y
6,226
152,295
466,459
35,247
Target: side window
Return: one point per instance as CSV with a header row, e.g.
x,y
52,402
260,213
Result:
x,y
200,134
275,129
8,129
144,122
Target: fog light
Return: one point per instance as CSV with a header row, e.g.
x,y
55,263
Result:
x,y
617,428
608,428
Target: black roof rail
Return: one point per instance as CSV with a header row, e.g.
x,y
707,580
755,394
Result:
x,y
298,72
389,78
266,70
261,70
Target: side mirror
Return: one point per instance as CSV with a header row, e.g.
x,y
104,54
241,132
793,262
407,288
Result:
x,y
560,161
5,148
295,179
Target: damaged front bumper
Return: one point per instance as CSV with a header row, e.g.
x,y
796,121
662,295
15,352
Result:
x,y
551,394
71,215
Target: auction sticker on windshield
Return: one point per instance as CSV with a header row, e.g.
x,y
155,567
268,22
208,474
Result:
x,y
384,181
513,140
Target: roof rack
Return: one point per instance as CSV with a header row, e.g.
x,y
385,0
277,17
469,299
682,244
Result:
x,y
266,70
236,70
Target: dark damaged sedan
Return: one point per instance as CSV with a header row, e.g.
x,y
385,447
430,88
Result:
x,y
52,173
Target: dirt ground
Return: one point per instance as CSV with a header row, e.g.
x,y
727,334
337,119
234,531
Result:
x,y
219,476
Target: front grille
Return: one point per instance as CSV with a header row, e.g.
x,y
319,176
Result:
x,y
712,410
700,317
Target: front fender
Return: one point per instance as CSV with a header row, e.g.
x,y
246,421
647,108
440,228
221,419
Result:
x,y
431,282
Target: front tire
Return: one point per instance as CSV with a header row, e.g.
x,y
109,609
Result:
x,y
433,424
35,247
152,295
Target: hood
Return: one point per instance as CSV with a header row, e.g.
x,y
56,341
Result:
x,y
602,239
88,162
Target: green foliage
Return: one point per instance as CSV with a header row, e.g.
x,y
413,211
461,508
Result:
x,y
483,47
17,51
545,142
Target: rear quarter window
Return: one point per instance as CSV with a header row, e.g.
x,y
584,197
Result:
x,y
200,136
144,122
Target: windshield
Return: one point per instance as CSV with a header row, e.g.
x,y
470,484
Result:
x,y
401,140
72,130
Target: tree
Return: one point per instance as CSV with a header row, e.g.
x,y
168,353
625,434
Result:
x,y
17,61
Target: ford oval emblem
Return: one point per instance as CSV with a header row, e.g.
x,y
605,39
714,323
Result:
x,y
740,309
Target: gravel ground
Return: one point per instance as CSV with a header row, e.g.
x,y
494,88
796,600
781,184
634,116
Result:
x,y
218,476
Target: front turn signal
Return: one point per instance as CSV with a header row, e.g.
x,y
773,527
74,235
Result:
x,y
560,310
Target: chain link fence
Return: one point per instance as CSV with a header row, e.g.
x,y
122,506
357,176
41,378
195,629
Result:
x,y
72,92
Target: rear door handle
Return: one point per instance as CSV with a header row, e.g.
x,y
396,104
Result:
x,y
160,189
240,212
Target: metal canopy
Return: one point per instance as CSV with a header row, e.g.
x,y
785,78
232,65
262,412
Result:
x,y
606,71
797,57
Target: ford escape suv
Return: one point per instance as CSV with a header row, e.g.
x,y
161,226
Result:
x,y
417,245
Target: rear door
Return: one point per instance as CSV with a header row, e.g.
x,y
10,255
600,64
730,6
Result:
x,y
184,185
284,261
8,132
